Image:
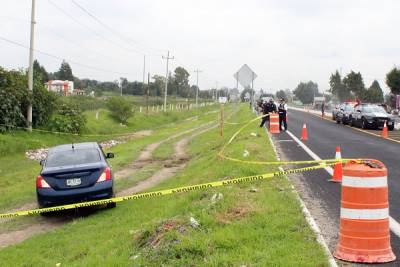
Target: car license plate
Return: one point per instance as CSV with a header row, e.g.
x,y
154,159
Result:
x,y
74,182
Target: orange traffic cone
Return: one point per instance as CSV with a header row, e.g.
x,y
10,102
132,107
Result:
x,y
364,234
304,135
338,168
385,131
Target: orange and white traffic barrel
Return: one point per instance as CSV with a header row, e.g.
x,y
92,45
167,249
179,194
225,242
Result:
x,y
364,214
274,123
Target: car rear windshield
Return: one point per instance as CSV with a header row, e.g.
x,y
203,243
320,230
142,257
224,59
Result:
x,y
72,157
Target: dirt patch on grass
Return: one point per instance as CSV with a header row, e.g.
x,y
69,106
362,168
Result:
x,y
236,213
153,238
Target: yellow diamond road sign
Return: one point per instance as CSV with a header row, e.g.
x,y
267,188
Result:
x,y
245,76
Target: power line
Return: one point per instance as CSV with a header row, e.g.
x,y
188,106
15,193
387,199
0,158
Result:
x,y
91,30
110,29
62,37
61,58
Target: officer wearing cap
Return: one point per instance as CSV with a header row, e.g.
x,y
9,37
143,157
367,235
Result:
x,y
282,110
267,107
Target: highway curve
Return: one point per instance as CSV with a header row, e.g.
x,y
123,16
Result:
x,y
323,137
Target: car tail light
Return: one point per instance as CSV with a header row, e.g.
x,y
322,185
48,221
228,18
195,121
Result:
x,y
41,183
105,176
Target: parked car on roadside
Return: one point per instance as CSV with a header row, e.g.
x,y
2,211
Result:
x,y
335,110
344,113
371,116
75,173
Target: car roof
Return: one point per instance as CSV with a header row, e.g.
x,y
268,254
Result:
x,y
66,147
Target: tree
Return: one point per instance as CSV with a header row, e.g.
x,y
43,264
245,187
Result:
x,y
14,100
65,72
120,108
393,81
305,92
281,94
289,94
157,87
40,72
181,79
354,83
337,87
374,94
68,118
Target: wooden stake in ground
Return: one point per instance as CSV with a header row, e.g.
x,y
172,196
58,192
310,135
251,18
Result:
x,y
222,120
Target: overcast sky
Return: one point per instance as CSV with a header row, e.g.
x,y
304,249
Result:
x,y
283,41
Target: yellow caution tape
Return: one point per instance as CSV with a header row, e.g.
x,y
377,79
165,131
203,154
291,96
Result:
x,y
302,162
164,192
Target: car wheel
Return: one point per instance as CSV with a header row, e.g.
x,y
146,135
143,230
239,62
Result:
x,y
351,121
111,205
363,123
391,128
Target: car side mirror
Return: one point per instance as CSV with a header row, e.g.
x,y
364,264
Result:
x,y
41,162
110,155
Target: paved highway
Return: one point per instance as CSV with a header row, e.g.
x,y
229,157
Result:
x,y
323,137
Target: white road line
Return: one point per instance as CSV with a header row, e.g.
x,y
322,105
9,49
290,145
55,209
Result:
x,y
394,225
310,220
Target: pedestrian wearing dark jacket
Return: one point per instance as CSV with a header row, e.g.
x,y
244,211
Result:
x,y
268,107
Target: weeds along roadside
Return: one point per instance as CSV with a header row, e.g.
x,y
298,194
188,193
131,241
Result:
x,y
258,224
17,173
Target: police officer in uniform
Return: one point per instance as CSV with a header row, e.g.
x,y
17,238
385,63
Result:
x,y
282,110
268,107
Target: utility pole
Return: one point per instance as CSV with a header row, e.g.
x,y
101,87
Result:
x,y
166,82
197,85
144,68
216,91
30,71
147,94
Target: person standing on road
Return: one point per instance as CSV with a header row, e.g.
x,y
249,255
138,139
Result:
x,y
268,107
323,109
282,110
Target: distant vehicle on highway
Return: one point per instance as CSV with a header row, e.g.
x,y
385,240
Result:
x,y
344,112
371,116
75,173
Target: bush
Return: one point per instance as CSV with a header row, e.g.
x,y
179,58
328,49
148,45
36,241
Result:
x,y
120,108
10,111
68,118
15,98
44,105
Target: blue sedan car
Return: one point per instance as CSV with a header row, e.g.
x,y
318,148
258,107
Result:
x,y
75,173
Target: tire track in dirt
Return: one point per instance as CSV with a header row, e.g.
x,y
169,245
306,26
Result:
x,y
171,166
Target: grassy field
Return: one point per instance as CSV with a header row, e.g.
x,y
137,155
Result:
x,y
259,224
17,173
